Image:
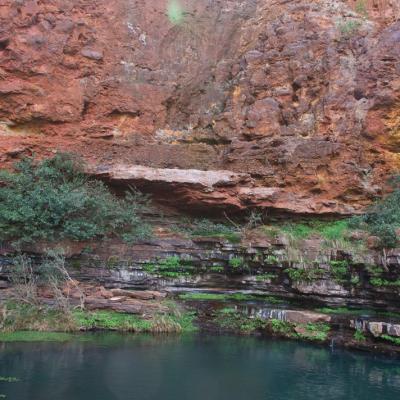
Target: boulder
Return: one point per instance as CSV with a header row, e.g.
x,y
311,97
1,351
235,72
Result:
x,y
305,317
393,330
376,328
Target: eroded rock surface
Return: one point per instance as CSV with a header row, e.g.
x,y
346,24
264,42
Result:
x,y
302,96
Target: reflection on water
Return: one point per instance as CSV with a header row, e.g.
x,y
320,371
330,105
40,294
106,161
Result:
x,y
118,367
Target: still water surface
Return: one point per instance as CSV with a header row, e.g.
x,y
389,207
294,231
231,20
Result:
x,y
114,367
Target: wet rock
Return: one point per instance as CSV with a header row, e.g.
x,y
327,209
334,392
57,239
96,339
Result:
x,y
393,330
376,328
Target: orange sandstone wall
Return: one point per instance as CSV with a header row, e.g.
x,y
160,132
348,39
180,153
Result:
x,y
300,98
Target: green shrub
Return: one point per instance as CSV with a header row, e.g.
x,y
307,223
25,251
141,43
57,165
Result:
x,y
318,331
53,200
339,269
236,262
377,282
383,218
282,327
238,321
374,270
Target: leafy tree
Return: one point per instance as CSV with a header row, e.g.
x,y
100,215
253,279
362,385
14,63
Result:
x,y
53,199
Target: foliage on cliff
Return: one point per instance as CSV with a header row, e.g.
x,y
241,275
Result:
x,y
383,218
53,200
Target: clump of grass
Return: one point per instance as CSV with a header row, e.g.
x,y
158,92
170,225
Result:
x,y
236,262
281,327
237,321
328,230
111,321
392,339
310,331
316,331
304,275
359,336
339,310
170,267
265,277
298,231
34,336
28,318
351,311
217,268
20,316
339,269
227,297
379,282
208,228
374,270
175,321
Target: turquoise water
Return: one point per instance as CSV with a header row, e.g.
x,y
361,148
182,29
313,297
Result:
x,y
113,367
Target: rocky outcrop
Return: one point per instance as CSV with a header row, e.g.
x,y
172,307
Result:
x,y
95,297
255,265
195,189
376,328
302,96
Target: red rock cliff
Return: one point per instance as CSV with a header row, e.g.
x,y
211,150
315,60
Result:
x,y
288,104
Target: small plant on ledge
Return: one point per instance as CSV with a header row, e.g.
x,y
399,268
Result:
x,y
359,336
236,262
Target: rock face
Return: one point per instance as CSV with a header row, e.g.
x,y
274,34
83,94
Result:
x,y
299,97
174,263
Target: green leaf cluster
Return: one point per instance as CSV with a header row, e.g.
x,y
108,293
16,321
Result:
x,y
53,200
383,218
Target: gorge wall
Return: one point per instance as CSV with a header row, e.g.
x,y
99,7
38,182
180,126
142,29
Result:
x,y
289,105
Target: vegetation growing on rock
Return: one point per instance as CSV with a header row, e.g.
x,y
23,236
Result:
x,y
383,218
53,200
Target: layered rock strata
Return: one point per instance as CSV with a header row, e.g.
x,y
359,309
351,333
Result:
x,y
301,96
